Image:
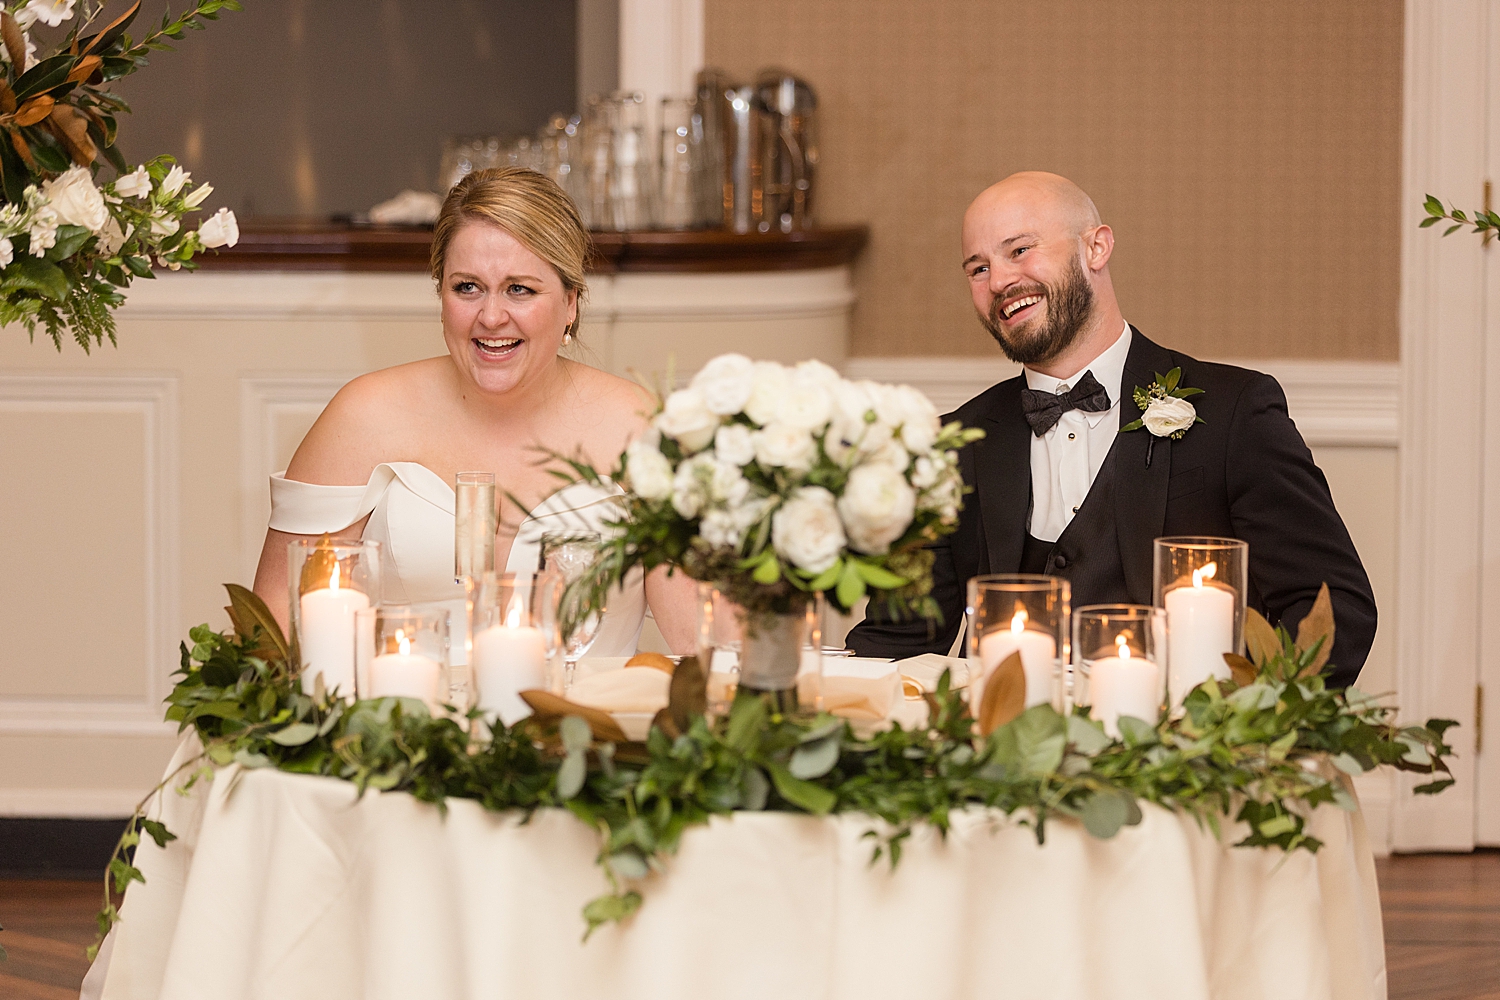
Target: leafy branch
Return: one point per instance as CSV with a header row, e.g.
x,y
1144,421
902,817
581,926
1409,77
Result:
x,y
1481,221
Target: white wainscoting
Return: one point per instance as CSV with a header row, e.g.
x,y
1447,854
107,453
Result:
x,y
154,399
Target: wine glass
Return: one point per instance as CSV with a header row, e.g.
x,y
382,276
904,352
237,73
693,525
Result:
x,y
570,555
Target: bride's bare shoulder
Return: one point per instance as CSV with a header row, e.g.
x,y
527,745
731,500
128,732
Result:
x,y
608,397
366,422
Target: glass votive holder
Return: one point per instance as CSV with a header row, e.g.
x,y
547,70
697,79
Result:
x,y
408,653
512,641
810,663
1119,653
1202,584
329,581
1019,612
719,643
475,522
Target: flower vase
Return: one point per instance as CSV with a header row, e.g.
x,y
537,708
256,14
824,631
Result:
x,y
778,654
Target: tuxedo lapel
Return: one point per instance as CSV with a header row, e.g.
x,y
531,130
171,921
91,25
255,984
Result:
x,y
1002,466
1140,491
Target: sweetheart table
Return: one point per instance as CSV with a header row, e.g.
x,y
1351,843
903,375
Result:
x,y
289,887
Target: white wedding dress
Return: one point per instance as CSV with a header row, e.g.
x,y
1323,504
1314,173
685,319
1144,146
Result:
x,y
411,516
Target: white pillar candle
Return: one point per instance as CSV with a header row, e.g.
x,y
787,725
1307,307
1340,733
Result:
x,y
326,635
1038,658
1200,630
405,674
1123,685
507,660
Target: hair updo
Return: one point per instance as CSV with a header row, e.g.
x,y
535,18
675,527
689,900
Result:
x,y
528,206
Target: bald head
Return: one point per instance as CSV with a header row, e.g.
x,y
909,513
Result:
x,y
1037,259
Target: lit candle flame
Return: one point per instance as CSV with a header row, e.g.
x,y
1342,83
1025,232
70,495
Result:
x,y
333,576
513,612
1018,622
403,644
1206,573
1122,644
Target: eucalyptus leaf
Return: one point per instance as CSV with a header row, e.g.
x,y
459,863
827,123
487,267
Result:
x,y
753,789
628,863
1086,736
294,735
1104,813
571,774
813,760
575,734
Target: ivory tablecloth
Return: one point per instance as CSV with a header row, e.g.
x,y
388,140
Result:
x,y
286,887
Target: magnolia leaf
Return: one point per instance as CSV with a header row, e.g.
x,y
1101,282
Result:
x,y
247,611
1260,638
7,98
15,42
1242,670
548,708
104,39
69,240
34,110
84,68
1318,625
663,720
73,129
687,696
1004,694
23,150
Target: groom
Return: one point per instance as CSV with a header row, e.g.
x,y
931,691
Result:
x,y
1060,487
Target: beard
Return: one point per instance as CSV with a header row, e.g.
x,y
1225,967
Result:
x,y
1070,304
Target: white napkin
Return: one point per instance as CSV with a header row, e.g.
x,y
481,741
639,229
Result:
x,y
856,688
927,668
630,690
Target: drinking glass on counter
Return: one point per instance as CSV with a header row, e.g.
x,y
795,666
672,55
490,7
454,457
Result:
x,y
1019,613
476,519
629,163
681,154
1202,583
568,556
329,582
1119,652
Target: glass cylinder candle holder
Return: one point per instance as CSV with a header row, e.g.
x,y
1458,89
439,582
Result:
x,y
1119,653
328,581
408,653
511,641
718,646
1025,613
1202,584
475,522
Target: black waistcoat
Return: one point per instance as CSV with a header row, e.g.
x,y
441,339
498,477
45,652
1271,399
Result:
x,y
1087,553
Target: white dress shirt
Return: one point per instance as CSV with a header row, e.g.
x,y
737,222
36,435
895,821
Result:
x,y
1065,460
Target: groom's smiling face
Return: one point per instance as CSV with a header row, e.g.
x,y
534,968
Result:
x,y
1023,256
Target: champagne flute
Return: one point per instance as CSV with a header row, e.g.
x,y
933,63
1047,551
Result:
x,y
570,555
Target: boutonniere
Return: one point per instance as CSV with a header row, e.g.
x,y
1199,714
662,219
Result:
x,y
1165,411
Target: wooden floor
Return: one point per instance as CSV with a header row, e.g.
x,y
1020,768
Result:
x,y
1442,930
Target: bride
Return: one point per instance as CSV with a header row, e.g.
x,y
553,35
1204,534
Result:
x,y
508,255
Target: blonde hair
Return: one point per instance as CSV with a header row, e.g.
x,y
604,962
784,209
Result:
x,y
528,206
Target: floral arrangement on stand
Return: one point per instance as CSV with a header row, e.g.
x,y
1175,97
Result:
x,y
775,483
68,245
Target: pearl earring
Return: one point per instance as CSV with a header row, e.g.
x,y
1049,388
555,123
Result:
x,y
567,338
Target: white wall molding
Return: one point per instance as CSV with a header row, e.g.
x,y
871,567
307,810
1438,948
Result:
x,y
73,803
264,398
1334,403
260,295
661,48
1442,408
821,292
154,397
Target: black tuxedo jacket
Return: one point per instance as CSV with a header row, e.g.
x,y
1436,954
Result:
x,y
1244,473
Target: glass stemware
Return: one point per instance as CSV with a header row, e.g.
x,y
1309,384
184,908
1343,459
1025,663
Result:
x,y
570,555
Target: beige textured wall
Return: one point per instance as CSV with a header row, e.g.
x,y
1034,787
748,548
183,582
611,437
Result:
x,y
1246,154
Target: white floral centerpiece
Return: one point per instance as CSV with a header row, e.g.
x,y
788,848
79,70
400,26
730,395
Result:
x,y
776,482
68,245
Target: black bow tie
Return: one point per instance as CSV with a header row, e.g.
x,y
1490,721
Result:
x,y
1044,409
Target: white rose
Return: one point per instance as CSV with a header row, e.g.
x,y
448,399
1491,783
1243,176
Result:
x,y
782,445
734,443
877,507
49,12
806,530
199,196
854,402
175,179
112,237
7,252
720,529
76,201
649,471
1168,416
43,231
807,404
925,472
219,230
725,383
891,453
920,425
770,389
816,371
136,184
688,420
688,492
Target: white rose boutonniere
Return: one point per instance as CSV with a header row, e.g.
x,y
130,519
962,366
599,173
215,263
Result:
x,y
1165,411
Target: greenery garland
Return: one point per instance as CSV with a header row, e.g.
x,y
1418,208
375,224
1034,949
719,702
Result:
x,y
1254,742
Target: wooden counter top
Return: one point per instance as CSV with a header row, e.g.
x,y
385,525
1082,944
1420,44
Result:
x,y
298,245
